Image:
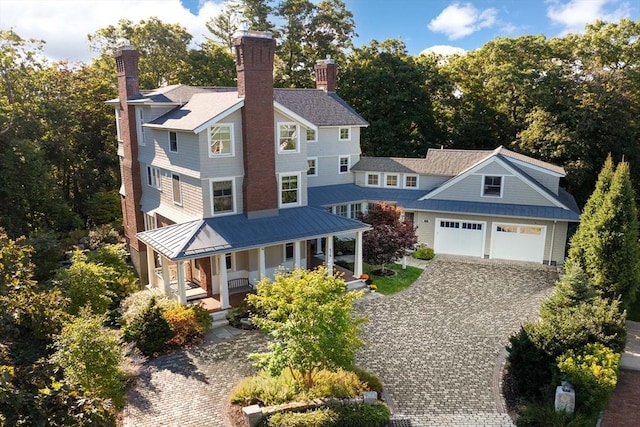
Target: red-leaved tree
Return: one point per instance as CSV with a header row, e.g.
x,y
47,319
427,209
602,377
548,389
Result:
x,y
390,237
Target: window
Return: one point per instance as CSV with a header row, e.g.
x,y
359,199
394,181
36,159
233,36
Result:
x,y
287,137
118,124
288,251
229,261
343,165
345,134
312,166
410,181
173,142
177,189
449,224
139,123
289,190
222,194
150,222
221,141
342,210
492,186
391,180
471,226
373,179
354,210
311,135
153,177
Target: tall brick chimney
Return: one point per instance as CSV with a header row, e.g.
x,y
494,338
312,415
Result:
x,y
326,75
127,72
254,53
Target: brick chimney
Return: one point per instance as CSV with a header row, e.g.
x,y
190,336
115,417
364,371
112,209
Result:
x,y
254,53
326,75
127,72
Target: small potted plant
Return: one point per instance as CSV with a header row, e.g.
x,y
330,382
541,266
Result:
x,y
373,287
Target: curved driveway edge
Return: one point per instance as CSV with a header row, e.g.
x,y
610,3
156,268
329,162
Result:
x,y
435,345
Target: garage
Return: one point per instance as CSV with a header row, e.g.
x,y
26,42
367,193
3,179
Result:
x,y
518,242
459,237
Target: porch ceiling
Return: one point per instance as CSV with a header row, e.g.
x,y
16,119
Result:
x,y
232,233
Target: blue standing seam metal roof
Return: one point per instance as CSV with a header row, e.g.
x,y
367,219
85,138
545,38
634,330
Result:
x,y
210,236
408,199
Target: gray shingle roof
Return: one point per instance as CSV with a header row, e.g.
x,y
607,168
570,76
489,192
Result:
x,y
393,164
319,107
232,233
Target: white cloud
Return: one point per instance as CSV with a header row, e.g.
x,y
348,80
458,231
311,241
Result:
x,y
460,20
65,24
444,50
573,15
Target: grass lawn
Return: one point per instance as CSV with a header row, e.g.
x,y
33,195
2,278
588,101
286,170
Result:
x,y
392,284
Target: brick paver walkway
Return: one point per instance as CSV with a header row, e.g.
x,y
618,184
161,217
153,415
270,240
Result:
x,y
437,345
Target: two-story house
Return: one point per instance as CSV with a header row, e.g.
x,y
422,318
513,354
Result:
x,y
223,186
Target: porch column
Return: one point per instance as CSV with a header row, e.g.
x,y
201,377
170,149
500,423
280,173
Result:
x,y
151,270
166,278
329,257
224,284
262,264
319,246
296,254
357,261
182,293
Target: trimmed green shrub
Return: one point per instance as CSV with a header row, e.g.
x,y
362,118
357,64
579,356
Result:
x,y
188,324
265,390
373,382
424,252
593,371
545,415
135,304
376,415
341,384
150,330
530,367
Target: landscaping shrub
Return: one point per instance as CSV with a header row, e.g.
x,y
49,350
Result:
x,y
150,330
545,415
593,371
424,252
376,415
341,384
135,303
265,390
373,382
188,324
531,368
103,235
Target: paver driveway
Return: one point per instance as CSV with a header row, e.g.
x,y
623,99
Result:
x,y
435,345
438,345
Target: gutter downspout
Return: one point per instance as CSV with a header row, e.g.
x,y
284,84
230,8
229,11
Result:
x,y
553,235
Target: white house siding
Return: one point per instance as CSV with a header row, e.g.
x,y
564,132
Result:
x,y
551,182
328,149
156,152
426,222
515,191
222,166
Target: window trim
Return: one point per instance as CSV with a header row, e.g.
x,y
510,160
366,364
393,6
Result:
x,y
315,166
366,179
483,189
233,195
176,141
154,172
150,221
411,175
387,175
232,144
297,137
340,129
315,135
173,188
340,158
139,123
298,201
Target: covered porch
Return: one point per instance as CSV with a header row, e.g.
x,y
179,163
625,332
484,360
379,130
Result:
x,y
217,261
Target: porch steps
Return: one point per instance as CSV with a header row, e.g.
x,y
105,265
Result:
x,y
219,319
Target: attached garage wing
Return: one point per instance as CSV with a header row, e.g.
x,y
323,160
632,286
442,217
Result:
x,y
518,242
459,237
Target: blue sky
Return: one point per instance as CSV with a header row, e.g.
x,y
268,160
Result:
x,y
422,24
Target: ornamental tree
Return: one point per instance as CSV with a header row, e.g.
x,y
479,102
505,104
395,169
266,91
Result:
x,y
390,237
308,314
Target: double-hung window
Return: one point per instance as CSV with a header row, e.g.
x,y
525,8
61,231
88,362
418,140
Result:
x,y
311,135
221,140
289,190
287,137
312,166
222,195
343,164
391,180
373,179
177,189
173,142
153,177
344,134
411,181
492,186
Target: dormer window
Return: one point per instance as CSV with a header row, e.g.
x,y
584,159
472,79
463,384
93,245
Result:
x,y
345,134
287,137
221,140
492,186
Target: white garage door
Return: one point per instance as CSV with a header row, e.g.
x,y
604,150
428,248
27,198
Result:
x,y
518,242
457,237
